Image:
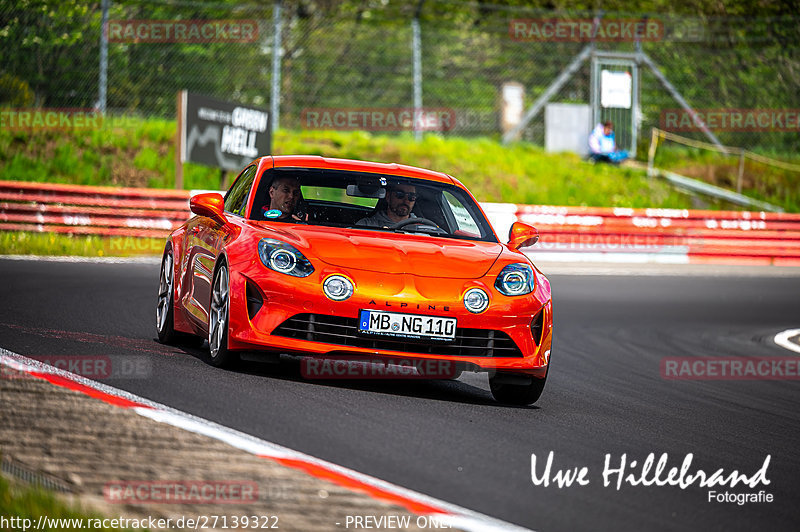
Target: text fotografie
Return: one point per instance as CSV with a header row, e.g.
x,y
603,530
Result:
x,y
648,473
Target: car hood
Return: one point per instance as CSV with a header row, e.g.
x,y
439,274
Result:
x,y
379,251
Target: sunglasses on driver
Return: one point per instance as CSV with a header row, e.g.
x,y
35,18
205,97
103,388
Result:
x,y
399,194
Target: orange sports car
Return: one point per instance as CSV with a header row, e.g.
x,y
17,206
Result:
x,y
339,258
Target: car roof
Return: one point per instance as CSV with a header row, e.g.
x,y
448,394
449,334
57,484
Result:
x,y
315,161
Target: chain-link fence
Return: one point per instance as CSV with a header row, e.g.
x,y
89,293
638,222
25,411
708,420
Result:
x,y
358,58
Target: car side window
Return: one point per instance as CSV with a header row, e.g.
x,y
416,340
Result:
x,y
236,200
463,218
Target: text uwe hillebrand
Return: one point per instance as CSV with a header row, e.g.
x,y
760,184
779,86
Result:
x,y
649,472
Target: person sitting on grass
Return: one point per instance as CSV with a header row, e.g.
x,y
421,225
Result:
x,y
602,145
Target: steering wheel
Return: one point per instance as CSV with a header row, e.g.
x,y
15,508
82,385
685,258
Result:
x,y
416,221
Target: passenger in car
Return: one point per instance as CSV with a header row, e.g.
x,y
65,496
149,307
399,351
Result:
x,y
400,200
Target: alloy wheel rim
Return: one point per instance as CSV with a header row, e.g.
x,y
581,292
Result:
x,y
219,312
164,292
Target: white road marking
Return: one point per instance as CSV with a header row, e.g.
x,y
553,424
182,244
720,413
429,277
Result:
x,y
782,339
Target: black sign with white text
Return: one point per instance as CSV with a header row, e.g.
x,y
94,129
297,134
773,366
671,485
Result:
x,y
223,134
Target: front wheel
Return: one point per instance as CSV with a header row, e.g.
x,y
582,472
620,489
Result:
x,y
516,389
221,356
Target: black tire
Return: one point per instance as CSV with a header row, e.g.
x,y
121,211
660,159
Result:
x,y
218,312
505,390
165,307
165,311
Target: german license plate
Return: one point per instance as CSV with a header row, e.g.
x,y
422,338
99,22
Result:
x,y
380,323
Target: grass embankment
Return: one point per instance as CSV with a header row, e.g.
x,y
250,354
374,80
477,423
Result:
x,y
761,181
21,506
140,153
22,243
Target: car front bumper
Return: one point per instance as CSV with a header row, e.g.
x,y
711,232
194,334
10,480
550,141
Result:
x,y
274,312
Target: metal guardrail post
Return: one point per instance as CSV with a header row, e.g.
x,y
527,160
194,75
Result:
x,y
102,89
275,104
651,154
741,173
416,49
180,137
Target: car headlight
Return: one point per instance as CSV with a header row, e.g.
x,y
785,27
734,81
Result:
x,y
515,280
283,258
337,287
476,300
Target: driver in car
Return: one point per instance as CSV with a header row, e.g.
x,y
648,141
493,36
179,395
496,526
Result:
x,y
400,200
284,195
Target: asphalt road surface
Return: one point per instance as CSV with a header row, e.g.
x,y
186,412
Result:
x,y
450,440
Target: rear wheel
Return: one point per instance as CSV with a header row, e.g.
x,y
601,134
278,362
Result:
x,y
516,389
165,309
221,356
165,313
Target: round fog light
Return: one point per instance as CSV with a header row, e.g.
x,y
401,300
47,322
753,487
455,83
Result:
x,y
476,300
337,287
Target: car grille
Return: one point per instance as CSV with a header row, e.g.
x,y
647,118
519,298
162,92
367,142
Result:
x,y
343,331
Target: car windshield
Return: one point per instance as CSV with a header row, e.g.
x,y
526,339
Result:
x,y
374,202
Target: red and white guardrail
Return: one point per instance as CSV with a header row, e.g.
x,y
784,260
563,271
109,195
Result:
x,y
655,235
567,233
76,209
